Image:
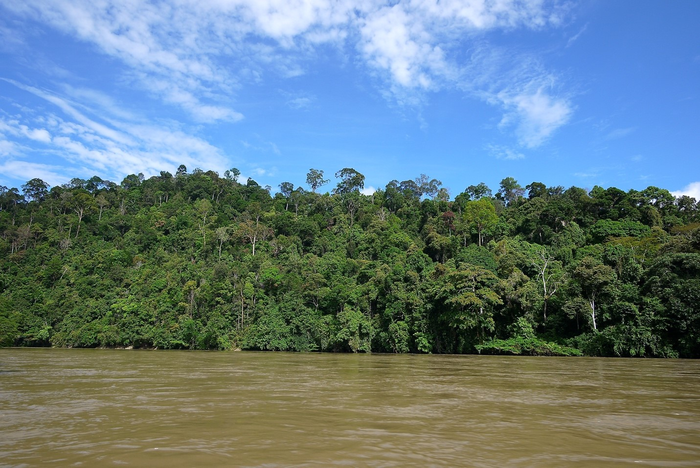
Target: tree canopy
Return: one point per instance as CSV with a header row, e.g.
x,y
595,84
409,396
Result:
x,y
200,261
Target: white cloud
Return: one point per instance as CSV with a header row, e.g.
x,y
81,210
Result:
x,y
533,105
504,152
24,171
368,190
397,42
259,172
174,94
537,116
114,147
66,107
408,40
8,148
14,128
691,190
199,55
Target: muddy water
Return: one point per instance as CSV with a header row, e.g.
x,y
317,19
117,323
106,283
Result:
x,y
172,409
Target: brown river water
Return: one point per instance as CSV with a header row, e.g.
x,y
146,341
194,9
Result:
x,y
198,409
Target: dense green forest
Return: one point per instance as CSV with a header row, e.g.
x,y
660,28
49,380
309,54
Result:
x,y
197,260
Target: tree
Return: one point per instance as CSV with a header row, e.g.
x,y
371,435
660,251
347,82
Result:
x,y
352,203
443,195
551,275
203,207
315,179
296,197
674,281
468,295
480,214
510,191
35,190
102,202
131,181
222,235
427,186
592,276
82,203
479,191
286,189
232,174
350,181
181,171
253,231
536,189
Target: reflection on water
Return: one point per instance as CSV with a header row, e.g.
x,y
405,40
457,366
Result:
x,y
170,408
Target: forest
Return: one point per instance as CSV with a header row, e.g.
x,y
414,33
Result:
x,y
197,260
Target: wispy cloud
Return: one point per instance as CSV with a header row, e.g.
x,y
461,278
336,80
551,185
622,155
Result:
x,y
199,55
536,115
300,102
16,129
24,171
7,147
691,190
261,146
111,148
412,44
262,172
10,40
575,37
504,152
620,133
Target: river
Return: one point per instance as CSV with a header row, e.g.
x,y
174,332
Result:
x,y
186,409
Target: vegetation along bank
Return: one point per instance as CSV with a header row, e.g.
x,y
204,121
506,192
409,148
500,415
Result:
x,y
197,260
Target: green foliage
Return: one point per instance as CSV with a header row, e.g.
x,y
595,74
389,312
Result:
x,y
199,261
606,229
526,346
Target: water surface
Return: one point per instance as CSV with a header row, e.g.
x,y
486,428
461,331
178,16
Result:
x,y
178,408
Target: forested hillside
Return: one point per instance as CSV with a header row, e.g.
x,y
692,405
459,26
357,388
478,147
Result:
x,y
201,261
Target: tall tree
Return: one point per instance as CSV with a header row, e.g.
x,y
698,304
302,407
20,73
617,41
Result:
x,y
232,174
476,192
35,190
510,191
481,214
82,203
314,178
427,186
350,181
551,275
286,189
593,276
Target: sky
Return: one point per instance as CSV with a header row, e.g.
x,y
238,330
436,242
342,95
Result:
x,y
561,92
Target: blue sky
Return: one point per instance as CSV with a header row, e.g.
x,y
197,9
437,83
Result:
x,y
560,92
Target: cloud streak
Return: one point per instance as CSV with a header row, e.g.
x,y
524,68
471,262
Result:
x,y
114,147
198,55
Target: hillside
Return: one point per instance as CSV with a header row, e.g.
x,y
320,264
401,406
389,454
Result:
x,y
201,261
